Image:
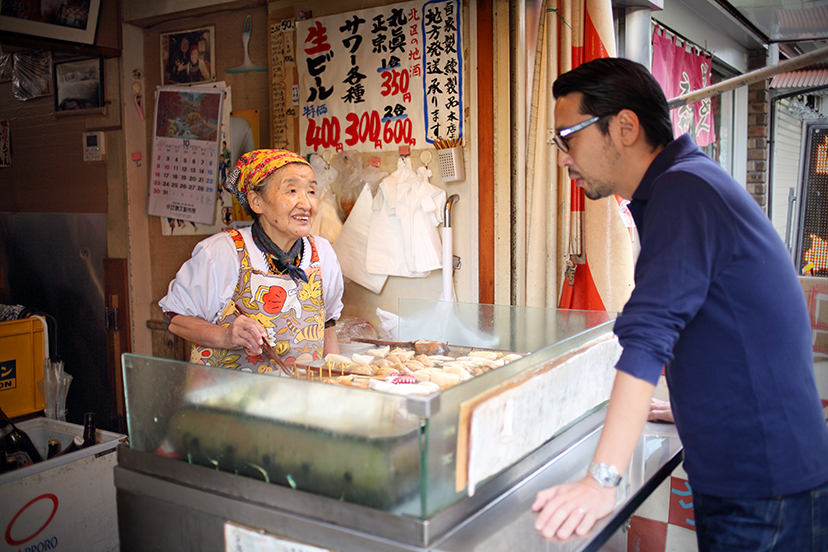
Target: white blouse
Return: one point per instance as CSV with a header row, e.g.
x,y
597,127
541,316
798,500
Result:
x,y
206,282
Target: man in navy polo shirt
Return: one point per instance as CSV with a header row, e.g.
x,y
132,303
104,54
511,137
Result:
x,y
717,303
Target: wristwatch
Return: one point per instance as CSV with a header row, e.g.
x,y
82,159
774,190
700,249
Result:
x,y
606,476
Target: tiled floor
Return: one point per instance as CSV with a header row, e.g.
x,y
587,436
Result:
x,y
664,523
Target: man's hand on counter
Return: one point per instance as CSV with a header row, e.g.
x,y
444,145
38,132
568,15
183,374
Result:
x,y
660,411
572,508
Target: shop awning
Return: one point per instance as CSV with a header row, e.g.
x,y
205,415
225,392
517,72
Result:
x,y
804,78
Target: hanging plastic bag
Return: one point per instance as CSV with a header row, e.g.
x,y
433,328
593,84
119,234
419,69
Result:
x,y
327,222
350,245
389,325
5,67
32,75
353,175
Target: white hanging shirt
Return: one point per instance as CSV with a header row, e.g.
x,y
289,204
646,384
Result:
x,y
420,209
385,252
403,239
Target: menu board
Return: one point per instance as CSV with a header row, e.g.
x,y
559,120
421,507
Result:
x,y
382,77
185,150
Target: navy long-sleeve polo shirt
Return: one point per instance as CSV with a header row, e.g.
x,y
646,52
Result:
x,y
717,301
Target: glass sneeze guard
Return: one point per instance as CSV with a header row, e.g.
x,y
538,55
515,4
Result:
x,y
384,451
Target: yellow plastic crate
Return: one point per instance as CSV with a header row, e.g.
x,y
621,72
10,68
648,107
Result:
x,y
21,366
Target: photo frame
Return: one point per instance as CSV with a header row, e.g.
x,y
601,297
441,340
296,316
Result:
x,y
69,20
79,86
188,57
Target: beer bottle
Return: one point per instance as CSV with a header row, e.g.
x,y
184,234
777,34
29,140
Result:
x,y
76,444
11,463
89,436
53,448
16,443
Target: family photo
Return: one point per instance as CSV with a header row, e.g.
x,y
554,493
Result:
x,y
187,57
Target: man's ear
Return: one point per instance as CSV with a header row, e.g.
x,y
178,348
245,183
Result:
x,y
629,126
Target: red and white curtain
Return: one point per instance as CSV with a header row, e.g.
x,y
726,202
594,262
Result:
x,y
582,246
681,68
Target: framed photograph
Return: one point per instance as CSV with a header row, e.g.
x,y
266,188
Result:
x,y
70,20
79,87
188,57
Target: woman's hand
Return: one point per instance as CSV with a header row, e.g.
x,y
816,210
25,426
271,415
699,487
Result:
x,y
660,411
247,333
242,332
572,508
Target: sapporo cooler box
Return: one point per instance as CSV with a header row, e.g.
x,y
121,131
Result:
x,y
63,504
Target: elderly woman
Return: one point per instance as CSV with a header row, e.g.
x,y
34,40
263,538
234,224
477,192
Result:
x,y
269,282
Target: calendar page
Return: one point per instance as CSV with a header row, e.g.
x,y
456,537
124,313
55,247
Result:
x,y
185,150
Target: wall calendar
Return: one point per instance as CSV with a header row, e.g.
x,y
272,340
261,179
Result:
x,y
185,154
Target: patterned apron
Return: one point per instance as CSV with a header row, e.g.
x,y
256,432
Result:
x,y
293,314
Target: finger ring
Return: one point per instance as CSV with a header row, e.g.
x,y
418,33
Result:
x,y
581,510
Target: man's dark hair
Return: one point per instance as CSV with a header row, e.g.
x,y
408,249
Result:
x,y
609,85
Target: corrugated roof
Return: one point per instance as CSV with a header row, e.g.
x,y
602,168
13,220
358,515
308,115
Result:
x,y
803,78
803,20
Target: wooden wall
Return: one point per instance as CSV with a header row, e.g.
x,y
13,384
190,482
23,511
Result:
x,y
48,173
248,90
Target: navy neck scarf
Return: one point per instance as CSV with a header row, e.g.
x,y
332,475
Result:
x,y
279,260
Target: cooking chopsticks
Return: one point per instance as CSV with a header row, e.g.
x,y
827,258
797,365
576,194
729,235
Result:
x,y
267,350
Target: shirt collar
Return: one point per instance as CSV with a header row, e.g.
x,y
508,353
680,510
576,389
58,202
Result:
x,y
678,148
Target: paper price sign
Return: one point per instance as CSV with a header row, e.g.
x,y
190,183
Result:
x,y
380,78
238,538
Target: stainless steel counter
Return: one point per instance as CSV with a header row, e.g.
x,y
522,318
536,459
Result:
x,y
166,504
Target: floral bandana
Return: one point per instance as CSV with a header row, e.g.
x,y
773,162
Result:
x,y
255,166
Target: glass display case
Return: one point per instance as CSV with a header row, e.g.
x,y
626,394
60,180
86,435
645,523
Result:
x,y
388,452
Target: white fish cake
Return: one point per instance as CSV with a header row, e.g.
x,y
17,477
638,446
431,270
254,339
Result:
x,y
361,359
441,378
457,369
379,352
421,375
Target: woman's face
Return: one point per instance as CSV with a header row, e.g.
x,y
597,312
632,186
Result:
x,y
287,204
193,55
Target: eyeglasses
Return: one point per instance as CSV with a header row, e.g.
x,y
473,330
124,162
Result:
x,y
561,136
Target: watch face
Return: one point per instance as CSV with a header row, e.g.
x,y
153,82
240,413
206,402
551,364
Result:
x,y
606,476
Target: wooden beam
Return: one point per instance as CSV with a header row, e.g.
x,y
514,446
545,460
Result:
x,y
485,145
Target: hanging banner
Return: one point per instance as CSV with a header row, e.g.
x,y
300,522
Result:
x,y
378,78
680,72
705,131
185,150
